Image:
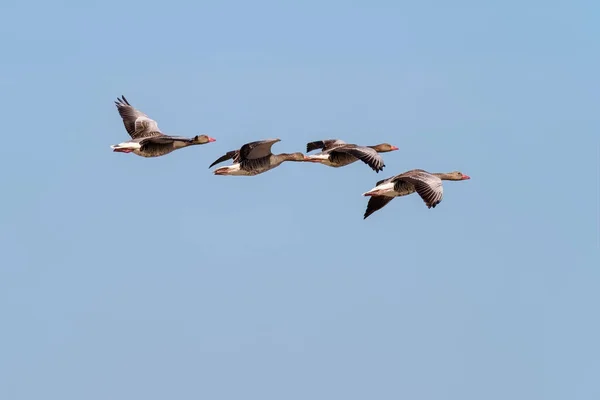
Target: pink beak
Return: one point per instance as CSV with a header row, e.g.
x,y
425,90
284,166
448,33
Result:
x,y
211,139
394,148
465,177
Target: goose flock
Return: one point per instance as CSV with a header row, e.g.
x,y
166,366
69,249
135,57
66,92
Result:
x,y
254,158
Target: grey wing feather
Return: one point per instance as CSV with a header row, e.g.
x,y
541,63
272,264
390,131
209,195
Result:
x,y
323,144
258,149
137,124
427,185
365,154
234,154
376,203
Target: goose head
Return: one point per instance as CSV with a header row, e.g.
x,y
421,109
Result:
x,y
384,148
202,139
456,176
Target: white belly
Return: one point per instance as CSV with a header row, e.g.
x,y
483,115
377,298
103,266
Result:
x,y
340,162
233,170
392,190
127,145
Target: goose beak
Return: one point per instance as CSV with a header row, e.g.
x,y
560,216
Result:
x,y
211,139
465,177
395,148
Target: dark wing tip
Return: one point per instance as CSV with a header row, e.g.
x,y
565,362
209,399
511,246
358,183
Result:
x,y
376,203
430,202
314,146
122,101
373,161
225,157
369,211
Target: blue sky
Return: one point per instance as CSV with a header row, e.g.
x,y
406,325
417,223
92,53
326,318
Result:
x,y
125,277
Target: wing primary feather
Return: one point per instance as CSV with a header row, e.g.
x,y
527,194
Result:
x,y
314,145
365,154
376,203
227,156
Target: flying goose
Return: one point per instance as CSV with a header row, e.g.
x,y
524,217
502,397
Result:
x,y
427,185
337,153
254,158
146,139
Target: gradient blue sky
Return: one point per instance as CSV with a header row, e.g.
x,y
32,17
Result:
x,y
131,278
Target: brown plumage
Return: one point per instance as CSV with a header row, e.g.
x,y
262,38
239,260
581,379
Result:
x,y
254,158
427,185
337,153
147,140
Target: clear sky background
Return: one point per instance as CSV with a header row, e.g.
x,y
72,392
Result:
x,y
130,278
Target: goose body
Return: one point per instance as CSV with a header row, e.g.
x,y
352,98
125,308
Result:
x,y
254,158
147,140
427,185
337,153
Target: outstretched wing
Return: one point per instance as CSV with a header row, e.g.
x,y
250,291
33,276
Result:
x,y
365,154
376,203
234,154
427,185
137,124
323,144
258,149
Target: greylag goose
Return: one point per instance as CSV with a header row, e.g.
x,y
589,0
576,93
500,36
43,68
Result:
x,y
337,153
254,158
146,139
427,185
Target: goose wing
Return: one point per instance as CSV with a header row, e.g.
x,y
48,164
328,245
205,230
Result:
x,y
258,149
427,185
365,154
376,203
234,154
137,124
323,144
